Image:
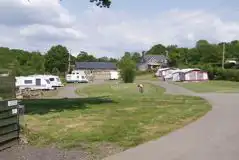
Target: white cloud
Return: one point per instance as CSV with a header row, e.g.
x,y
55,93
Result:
x,y
41,23
50,33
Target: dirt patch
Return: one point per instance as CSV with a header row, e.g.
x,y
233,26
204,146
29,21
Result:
x,y
27,152
106,149
24,152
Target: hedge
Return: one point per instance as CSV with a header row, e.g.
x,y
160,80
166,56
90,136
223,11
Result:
x,y
7,87
215,73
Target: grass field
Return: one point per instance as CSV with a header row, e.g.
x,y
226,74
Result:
x,y
116,115
149,76
212,86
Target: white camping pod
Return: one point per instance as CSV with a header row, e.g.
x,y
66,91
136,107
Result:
x,y
76,76
33,83
114,75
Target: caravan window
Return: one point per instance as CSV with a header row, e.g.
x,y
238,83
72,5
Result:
x,y
58,80
28,81
51,79
47,81
83,77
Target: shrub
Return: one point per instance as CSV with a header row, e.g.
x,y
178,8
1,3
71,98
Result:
x,y
127,70
216,73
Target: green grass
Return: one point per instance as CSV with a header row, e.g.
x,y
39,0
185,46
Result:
x,y
211,86
115,114
148,76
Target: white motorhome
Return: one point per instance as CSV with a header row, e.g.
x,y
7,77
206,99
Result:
x,y
114,75
76,76
33,83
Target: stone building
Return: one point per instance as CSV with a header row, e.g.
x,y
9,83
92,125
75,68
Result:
x,y
152,62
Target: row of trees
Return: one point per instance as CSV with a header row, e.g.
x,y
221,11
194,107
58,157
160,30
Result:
x,y
202,53
54,61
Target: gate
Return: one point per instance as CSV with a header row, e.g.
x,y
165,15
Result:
x,y
9,124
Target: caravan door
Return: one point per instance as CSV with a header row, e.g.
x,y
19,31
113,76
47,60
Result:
x,y
38,82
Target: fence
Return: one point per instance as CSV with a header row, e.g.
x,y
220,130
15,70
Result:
x,y
7,87
9,124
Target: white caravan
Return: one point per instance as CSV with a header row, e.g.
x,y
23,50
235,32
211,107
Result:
x,y
114,75
76,76
54,80
33,83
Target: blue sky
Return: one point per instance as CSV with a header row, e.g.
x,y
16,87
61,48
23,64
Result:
x,y
129,25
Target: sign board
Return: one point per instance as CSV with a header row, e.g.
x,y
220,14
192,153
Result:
x,y
12,103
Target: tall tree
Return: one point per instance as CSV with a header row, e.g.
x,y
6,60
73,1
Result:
x,y
157,50
136,57
85,57
57,57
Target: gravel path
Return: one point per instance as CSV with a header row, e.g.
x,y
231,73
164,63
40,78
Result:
x,y
213,137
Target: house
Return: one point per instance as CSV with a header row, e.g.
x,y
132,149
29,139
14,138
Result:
x,y
190,75
149,62
98,70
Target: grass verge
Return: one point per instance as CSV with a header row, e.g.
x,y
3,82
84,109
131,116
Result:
x,y
211,86
148,76
116,114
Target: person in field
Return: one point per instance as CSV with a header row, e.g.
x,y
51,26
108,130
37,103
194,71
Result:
x,y
141,88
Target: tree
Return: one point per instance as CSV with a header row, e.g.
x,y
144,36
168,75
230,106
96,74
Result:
x,y
103,59
55,71
102,3
57,57
85,57
127,69
157,50
136,57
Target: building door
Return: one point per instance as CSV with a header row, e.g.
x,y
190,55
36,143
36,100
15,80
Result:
x,y
38,82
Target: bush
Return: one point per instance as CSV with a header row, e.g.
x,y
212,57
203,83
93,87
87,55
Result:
x,y
127,70
7,87
215,73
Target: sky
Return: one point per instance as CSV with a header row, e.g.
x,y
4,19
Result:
x,y
128,25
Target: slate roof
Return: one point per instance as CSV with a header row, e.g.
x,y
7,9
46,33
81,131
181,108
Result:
x,y
159,58
95,65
